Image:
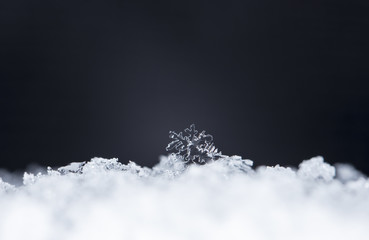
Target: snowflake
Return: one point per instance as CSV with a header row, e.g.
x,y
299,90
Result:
x,y
193,146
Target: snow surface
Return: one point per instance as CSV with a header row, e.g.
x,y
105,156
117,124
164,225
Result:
x,y
224,199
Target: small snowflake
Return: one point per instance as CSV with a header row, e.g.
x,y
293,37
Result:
x,y
193,146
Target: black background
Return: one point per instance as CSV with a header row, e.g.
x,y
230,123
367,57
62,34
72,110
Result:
x,y
274,81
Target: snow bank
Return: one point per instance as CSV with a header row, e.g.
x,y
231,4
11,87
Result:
x,y
224,199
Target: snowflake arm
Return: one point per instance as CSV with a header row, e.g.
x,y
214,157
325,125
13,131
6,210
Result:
x,y
179,142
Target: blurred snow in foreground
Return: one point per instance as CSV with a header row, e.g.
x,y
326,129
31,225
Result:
x,y
224,199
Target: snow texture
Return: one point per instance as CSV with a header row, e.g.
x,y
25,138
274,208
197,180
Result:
x,y
223,199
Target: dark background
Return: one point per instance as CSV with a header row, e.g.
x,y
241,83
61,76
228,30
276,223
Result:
x,y
274,81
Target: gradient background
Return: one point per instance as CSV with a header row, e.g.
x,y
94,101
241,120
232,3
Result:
x,y
273,81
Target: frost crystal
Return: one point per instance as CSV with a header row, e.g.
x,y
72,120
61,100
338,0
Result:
x,y
193,146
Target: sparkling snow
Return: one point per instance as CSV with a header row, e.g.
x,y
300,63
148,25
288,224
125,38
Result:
x,y
224,199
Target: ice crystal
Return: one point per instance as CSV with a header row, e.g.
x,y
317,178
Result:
x,y
193,146
74,167
97,165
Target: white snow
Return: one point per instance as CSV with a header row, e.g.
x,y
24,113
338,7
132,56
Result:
x,y
225,199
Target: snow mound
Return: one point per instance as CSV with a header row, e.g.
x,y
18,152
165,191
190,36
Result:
x,y
316,168
223,199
